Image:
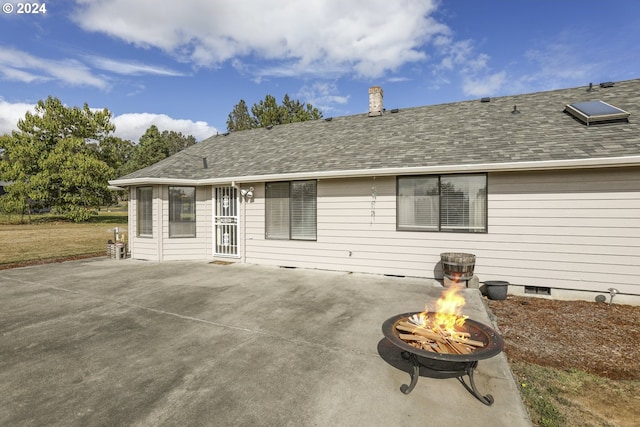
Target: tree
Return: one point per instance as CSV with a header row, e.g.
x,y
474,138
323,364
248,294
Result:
x,y
115,152
267,112
50,163
77,178
295,111
240,119
154,146
176,141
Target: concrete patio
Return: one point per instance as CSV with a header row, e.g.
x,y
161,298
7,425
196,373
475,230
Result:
x,y
105,342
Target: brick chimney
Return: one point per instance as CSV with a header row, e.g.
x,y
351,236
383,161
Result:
x,y
375,101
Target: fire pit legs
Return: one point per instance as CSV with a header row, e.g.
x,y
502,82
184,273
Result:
x,y
466,368
406,389
486,399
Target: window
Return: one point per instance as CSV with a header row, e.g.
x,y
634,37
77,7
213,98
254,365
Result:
x,y
277,210
290,210
144,206
182,212
442,203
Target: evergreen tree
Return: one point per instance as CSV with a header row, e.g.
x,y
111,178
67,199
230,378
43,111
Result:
x,y
268,112
154,146
240,119
50,163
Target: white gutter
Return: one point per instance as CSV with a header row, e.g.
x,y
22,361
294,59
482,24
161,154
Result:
x,y
455,168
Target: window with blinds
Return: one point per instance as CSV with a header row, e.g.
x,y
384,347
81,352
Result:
x,y
277,210
144,207
418,203
291,210
442,203
182,212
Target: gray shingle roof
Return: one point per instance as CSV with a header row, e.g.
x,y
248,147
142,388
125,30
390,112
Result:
x,y
462,133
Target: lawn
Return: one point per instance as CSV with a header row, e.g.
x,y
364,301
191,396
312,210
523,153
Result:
x,y
49,237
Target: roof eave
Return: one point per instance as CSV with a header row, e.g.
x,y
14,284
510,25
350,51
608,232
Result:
x,y
355,173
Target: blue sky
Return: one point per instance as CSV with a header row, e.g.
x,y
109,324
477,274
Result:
x,y
183,65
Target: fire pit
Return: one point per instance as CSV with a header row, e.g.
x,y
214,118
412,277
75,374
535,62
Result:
x,y
443,343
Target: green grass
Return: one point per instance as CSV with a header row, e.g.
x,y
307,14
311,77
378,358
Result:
x,y
50,237
540,388
574,398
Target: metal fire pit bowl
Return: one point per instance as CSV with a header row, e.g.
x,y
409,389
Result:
x,y
440,365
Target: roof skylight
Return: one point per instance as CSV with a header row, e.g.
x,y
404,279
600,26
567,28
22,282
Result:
x,y
596,112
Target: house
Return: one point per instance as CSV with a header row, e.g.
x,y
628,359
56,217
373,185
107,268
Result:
x,y
544,188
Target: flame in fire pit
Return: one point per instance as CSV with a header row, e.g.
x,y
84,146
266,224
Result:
x,y
447,317
448,310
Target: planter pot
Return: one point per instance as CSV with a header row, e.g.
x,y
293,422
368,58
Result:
x,y
496,289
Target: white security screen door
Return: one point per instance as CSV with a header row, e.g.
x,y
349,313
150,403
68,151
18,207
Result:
x,y
226,222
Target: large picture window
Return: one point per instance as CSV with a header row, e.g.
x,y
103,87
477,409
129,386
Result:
x,y
182,212
442,203
291,210
144,217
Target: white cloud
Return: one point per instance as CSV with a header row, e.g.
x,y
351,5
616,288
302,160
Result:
x,y
130,67
549,66
398,79
21,66
129,126
365,37
555,62
10,113
322,95
17,75
132,126
16,65
471,66
485,85
558,65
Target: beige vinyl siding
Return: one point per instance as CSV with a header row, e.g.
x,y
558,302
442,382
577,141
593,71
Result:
x,y
349,238
564,229
252,225
575,230
357,232
147,248
190,248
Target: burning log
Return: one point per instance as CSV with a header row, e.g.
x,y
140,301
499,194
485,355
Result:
x,y
443,348
436,339
460,348
417,330
441,331
438,334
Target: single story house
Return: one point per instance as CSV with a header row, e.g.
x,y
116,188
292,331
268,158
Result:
x,y
544,188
